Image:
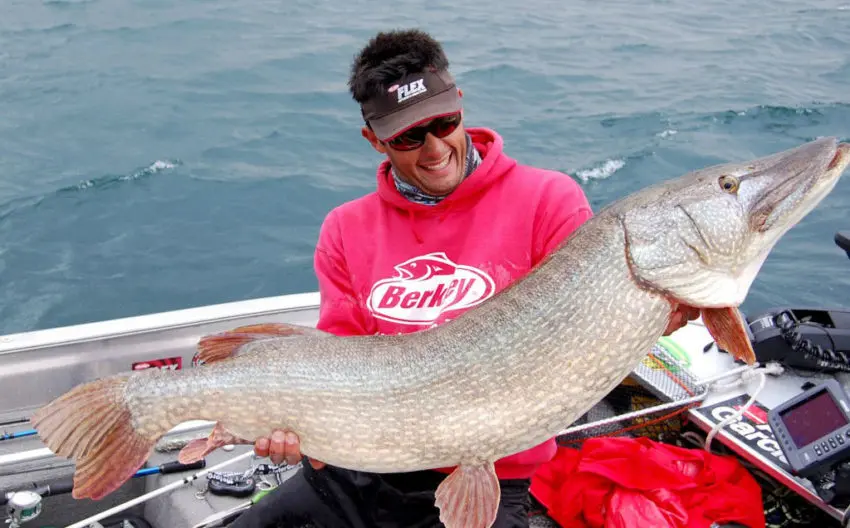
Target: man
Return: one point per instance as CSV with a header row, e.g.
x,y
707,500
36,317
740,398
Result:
x,y
454,220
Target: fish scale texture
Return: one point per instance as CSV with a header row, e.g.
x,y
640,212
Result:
x,y
503,378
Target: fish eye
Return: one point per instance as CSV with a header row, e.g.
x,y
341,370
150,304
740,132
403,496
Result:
x,y
728,183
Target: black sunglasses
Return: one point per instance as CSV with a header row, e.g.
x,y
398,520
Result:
x,y
413,138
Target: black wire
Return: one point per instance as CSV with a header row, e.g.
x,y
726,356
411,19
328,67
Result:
x,y
826,357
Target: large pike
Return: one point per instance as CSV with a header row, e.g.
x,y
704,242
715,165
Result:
x,y
505,376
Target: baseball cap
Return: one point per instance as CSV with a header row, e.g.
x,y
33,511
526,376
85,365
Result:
x,y
414,98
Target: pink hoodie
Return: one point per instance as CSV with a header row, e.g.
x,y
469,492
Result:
x,y
386,265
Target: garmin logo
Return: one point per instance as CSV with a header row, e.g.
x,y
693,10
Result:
x,y
761,434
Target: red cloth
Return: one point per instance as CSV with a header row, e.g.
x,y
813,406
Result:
x,y
636,482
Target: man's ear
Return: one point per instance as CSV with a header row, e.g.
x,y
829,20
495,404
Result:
x,y
370,136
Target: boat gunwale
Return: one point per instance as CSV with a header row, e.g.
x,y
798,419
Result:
x,y
156,322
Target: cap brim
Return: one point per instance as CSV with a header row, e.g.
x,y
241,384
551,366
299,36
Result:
x,y
387,127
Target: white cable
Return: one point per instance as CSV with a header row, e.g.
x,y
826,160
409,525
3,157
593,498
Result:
x,y
725,374
159,491
770,368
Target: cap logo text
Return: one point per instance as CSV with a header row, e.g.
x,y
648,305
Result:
x,y
411,89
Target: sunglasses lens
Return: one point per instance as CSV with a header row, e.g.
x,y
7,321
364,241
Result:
x,y
413,138
409,140
444,126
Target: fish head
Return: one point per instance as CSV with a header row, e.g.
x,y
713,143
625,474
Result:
x,y
701,239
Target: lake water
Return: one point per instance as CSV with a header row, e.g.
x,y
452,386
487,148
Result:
x,y
157,155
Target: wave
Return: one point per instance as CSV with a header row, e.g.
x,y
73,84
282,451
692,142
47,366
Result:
x,y
601,172
153,168
755,112
26,202
66,2
46,30
704,137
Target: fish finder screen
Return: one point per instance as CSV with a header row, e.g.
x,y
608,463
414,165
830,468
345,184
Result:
x,y
812,419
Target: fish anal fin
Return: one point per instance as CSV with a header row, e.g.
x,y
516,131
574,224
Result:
x,y
218,347
469,497
198,449
105,447
727,328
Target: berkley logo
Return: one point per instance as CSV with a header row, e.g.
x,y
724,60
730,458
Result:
x,y
426,287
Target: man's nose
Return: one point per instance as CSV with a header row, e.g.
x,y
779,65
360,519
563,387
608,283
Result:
x,y
432,143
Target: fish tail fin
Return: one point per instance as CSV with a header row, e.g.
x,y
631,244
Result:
x,y
218,347
92,425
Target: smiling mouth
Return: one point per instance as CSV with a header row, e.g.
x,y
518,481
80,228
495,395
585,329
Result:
x,y
439,165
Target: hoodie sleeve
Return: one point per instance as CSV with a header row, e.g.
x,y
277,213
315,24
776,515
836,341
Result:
x,y
339,311
562,208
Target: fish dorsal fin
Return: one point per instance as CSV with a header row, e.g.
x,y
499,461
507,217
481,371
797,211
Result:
x,y
727,328
469,497
221,346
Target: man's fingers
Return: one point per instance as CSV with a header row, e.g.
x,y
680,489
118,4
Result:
x,y
261,446
293,449
282,446
277,449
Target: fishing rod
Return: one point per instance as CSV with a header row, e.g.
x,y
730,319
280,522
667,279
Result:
x,y
13,421
19,434
65,485
85,523
25,504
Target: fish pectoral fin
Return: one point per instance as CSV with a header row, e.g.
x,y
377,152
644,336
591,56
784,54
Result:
x,y
221,346
194,451
198,449
727,328
469,497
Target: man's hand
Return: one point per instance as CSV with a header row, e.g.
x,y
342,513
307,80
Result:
x,y
282,445
682,313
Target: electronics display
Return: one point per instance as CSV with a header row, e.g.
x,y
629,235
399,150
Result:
x,y
813,428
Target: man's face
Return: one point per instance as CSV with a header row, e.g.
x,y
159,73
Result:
x,y
436,165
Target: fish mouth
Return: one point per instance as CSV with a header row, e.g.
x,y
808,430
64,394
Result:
x,y
841,159
811,171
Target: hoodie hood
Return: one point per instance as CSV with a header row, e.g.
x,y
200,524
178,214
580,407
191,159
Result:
x,y
494,165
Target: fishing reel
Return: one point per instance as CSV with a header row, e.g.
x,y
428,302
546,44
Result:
x,y
21,507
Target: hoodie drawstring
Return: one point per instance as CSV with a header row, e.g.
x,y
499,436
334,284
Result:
x,y
412,217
